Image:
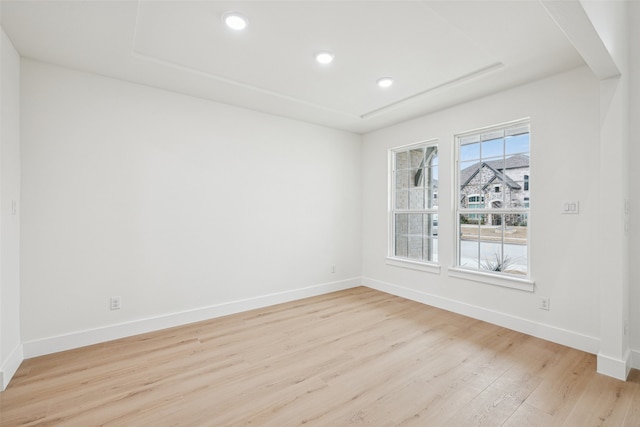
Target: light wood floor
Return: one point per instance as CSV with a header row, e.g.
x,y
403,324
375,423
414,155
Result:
x,y
356,357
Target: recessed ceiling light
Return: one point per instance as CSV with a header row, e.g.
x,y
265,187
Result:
x,y
324,57
385,81
234,20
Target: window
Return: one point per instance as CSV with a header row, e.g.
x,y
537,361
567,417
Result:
x,y
475,202
492,208
414,203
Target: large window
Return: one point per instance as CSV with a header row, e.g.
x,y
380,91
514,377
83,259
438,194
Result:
x,y
493,233
414,203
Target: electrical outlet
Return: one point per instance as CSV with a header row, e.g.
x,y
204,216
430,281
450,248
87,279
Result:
x,y
115,303
544,303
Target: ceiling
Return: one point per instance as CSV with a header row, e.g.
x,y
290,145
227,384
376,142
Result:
x,y
439,53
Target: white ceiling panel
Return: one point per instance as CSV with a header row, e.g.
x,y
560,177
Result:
x,y
438,52
369,39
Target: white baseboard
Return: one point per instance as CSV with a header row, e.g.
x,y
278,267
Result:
x,y
547,332
613,367
78,339
10,366
606,365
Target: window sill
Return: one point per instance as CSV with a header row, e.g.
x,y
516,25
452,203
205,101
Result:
x,y
492,279
414,265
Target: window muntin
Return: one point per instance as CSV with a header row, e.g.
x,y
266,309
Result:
x,y
493,225
414,212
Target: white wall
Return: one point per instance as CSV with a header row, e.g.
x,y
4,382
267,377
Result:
x,y
610,21
189,209
634,178
564,112
10,341
176,204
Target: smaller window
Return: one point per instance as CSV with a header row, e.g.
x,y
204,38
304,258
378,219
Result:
x,y
526,183
414,203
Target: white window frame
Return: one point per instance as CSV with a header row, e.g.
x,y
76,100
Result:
x,y
523,282
392,259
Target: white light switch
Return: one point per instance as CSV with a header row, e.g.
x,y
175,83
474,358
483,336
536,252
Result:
x,y
572,207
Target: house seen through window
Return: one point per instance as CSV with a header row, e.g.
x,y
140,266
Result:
x,y
493,203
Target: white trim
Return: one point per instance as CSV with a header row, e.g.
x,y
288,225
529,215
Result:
x,y
501,126
78,339
10,366
551,333
426,142
613,367
414,265
492,279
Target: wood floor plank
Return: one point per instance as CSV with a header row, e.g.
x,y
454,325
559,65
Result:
x,y
632,417
604,402
355,357
530,416
566,382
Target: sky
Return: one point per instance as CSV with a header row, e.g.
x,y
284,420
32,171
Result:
x,y
495,148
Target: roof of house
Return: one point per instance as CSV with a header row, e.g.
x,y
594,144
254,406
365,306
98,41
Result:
x,y
513,162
